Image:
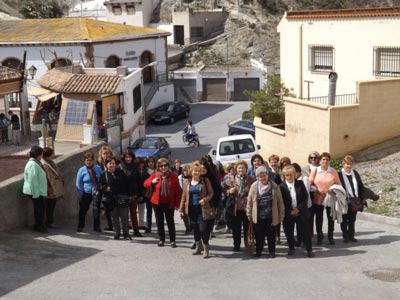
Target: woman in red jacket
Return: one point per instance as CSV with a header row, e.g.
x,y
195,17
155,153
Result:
x,y
165,198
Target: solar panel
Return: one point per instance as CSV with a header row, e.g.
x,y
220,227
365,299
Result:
x,y
76,113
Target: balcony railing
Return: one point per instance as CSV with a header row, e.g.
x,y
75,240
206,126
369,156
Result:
x,y
345,99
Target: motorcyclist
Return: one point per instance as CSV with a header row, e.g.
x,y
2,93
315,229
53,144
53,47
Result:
x,y
189,130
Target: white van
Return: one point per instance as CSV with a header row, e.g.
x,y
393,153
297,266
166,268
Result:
x,y
234,147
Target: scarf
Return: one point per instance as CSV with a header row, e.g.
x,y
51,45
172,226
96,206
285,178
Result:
x,y
92,176
262,189
165,185
241,192
348,185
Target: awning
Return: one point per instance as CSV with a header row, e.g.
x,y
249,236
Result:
x,y
42,94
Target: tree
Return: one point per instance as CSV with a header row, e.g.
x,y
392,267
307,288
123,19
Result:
x,y
268,103
33,9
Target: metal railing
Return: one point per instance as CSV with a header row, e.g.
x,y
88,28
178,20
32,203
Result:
x,y
345,99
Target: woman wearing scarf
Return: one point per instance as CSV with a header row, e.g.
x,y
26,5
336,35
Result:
x,y
196,196
86,180
238,187
352,183
265,209
165,198
35,186
55,182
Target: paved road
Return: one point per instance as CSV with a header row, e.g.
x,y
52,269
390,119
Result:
x,y
66,265
210,120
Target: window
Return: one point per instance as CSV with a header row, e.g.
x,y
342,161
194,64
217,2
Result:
x,y
130,9
196,32
116,9
387,61
320,58
76,113
61,62
112,61
13,63
137,98
111,112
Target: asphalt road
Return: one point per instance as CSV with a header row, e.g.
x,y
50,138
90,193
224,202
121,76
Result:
x,y
210,120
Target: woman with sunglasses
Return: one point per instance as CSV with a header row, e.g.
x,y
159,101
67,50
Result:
x,y
165,198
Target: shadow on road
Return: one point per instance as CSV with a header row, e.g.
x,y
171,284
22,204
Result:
x,y
26,257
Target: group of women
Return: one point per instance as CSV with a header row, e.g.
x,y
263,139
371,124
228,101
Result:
x,y
263,196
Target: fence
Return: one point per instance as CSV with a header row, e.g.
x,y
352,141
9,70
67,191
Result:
x,y
345,99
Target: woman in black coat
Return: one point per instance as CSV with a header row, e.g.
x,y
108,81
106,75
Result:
x,y
352,183
114,185
295,196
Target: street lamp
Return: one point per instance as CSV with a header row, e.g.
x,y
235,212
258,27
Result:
x,y
32,71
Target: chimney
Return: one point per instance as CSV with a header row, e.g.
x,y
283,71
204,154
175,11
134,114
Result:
x,y
122,70
332,88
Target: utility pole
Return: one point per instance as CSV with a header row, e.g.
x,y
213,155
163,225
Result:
x,y
23,103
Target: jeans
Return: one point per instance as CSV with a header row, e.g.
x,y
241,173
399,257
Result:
x,y
161,211
121,213
149,213
84,205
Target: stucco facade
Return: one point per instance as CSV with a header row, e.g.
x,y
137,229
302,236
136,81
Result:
x,y
339,130
351,34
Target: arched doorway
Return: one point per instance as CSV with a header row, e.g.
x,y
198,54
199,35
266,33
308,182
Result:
x,y
148,73
112,61
13,63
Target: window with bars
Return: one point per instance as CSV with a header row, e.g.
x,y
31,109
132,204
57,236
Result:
x,y
76,112
111,112
130,9
116,9
320,58
387,61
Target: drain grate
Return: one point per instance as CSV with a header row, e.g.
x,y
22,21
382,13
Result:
x,y
385,274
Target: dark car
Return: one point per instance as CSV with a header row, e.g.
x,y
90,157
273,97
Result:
x,y
245,126
170,112
151,146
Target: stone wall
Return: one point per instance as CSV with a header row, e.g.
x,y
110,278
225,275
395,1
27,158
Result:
x,y
16,210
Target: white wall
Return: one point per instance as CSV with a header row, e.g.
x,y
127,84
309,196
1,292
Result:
x,y
353,41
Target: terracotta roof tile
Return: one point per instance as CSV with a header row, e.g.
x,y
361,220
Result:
x,y
69,30
65,82
369,12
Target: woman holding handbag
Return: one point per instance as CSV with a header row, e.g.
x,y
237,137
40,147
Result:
x,y
238,188
114,185
196,198
165,199
352,183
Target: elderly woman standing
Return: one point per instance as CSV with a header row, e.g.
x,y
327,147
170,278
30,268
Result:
x,y
55,184
265,209
295,197
196,197
322,178
353,185
35,186
238,187
165,198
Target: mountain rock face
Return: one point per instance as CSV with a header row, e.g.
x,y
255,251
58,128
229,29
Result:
x,y
252,32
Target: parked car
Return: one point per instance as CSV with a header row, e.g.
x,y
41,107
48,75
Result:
x,y
170,112
232,148
151,146
245,126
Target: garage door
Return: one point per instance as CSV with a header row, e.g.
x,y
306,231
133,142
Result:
x,y
241,84
214,89
185,90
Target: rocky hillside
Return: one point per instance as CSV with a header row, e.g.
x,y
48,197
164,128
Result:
x,y
252,32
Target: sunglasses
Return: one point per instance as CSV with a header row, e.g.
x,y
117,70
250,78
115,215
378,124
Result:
x,y
313,157
163,166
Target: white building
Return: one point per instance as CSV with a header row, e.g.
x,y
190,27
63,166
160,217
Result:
x,y
130,12
67,42
358,44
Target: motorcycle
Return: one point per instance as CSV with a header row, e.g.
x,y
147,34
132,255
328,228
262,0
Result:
x,y
193,141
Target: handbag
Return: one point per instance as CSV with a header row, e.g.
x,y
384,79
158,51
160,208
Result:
x,y
250,245
356,204
208,212
230,204
148,193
